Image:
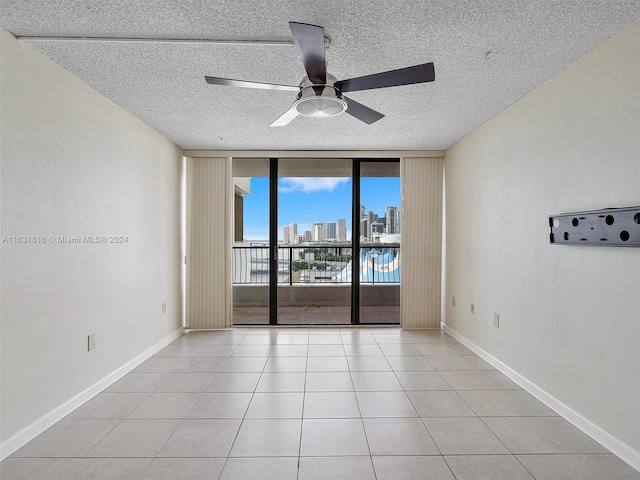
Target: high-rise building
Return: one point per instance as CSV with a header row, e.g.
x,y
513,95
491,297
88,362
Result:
x,y
364,228
342,230
377,228
329,231
293,233
308,236
318,232
290,233
393,220
371,219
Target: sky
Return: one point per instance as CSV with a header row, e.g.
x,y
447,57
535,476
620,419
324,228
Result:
x,y
307,199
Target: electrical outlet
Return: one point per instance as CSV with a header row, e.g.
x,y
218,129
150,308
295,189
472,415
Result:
x,y
496,320
453,301
472,308
164,307
91,342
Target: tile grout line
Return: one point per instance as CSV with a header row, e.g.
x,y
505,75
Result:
x,y
364,430
226,458
304,397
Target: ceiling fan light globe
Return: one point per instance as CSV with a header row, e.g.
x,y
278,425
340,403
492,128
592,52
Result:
x,y
320,106
320,101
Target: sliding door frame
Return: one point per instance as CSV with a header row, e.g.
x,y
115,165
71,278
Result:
x,y
355,242
355,236
273,241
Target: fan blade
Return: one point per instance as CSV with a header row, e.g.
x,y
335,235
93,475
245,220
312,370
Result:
x,y
361,112
393,78
244,84
285,118
310,42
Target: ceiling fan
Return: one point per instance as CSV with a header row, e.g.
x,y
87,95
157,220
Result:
x,y
321,94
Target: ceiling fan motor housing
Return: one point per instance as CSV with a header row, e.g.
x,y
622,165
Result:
x,y
320,100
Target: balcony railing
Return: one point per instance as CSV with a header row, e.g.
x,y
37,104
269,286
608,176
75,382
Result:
x,y
316,263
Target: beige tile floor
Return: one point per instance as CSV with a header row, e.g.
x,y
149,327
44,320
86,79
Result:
x,y
307,403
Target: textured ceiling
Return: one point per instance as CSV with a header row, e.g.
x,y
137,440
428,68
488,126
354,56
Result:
x,y
487,55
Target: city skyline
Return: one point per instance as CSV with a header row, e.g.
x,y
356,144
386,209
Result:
x,y
314,199
321,231
371,225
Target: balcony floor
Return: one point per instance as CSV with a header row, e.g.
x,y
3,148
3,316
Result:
x,y
316,315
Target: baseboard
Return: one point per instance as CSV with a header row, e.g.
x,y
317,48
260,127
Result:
x,y
604,438
36,428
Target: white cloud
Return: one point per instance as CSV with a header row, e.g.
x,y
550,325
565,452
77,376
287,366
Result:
x,y
310,184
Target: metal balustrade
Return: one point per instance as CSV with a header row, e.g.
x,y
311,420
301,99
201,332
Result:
x,y
318,263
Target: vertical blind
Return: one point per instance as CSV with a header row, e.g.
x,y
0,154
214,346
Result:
x,y
209,240
421,276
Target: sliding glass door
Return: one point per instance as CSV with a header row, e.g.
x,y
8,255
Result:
x,y
317,241
379,238
314,241
251,254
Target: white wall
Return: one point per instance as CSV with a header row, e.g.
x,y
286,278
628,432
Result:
x,y
73,163
569,316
